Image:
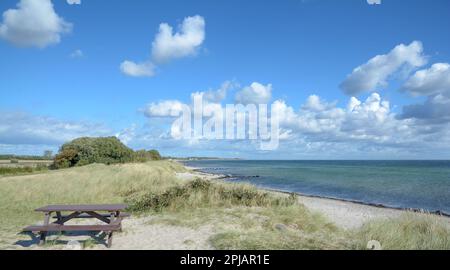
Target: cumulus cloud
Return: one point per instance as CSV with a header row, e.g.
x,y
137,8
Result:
x,y
435,80
374,2
256,93
374,74
434,83
34,23
133,69
74,2
435,109
168,45
166,108
318,127
172,108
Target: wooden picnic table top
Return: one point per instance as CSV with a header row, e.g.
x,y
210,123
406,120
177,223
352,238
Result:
x,y
82,207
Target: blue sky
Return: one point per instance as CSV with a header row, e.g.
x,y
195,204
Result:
x,y
62,78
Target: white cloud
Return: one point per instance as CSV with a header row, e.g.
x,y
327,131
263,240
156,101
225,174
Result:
x,y
256,93
219,94
172,108
168,45
366,128
434,83
362,128
77,54
435,80
374,74
374,2
34,23
166,108
146,69
74,2
435,109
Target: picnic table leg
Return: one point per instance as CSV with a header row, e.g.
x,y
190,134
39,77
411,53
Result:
x,y
117,217
44,234
110,237
59,218
112,217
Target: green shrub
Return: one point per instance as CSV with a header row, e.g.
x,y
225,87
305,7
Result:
x,y
144,156
14,161
204,193
154,154
83,151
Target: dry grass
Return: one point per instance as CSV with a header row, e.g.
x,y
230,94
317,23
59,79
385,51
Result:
x,y
409,232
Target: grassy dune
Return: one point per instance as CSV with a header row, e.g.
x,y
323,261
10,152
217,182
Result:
x,y
243,216
97,183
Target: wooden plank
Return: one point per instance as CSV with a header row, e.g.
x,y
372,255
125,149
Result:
x,y
83,207
98,216
59,228
67,218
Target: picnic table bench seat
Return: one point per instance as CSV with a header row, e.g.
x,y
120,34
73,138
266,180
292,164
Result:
x,y
70,228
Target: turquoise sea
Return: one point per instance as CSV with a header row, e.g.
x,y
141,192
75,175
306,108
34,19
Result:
x,y
398,184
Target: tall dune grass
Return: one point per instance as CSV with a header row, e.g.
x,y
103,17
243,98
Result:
x,y
411,231
201,193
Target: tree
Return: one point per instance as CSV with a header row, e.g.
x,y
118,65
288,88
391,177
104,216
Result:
x,y
83,151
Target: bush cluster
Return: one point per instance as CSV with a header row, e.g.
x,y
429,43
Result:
x,y
144,156
204,193
106,150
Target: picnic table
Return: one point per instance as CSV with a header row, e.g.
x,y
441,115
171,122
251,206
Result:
x,y
110,214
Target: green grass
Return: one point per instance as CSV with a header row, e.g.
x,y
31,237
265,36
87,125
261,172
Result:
x,y
242,216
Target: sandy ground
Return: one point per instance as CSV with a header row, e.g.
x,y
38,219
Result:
x,y
141,235
347,215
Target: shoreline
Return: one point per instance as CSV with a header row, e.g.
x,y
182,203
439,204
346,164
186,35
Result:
x,y
344,212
